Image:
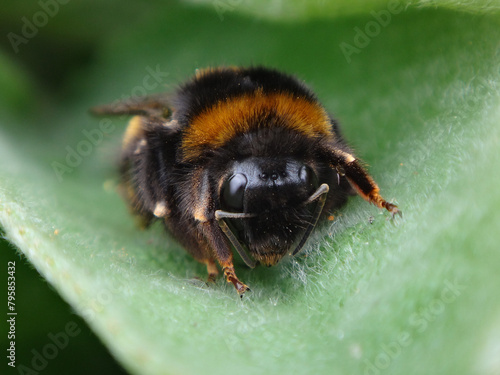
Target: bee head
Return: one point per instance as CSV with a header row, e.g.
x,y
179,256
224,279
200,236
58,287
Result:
x,y
272,195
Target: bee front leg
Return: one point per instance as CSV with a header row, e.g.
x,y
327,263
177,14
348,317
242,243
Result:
x,y
222,252
347,165
231,278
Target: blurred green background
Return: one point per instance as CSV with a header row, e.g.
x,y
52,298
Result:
x,y
419,100
42,311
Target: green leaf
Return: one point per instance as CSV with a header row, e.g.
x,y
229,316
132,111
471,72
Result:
x,y
418,99
299,9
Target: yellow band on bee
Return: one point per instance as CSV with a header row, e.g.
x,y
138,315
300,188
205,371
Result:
x,y
134,131
220,123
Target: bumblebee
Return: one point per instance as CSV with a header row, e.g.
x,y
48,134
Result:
x,y
243,158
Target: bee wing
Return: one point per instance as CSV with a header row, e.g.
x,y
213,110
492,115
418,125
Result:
x,y
157,106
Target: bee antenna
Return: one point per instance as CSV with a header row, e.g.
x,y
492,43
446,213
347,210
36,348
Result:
x,y
320,195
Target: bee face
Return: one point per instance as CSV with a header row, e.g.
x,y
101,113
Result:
x,y
237,159
274,191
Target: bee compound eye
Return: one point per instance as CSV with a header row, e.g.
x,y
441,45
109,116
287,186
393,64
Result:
x,y
233,191
305,174
308,177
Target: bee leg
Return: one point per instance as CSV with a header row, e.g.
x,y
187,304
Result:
x,y
215,238
361,181
212,270
222,252
231,278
